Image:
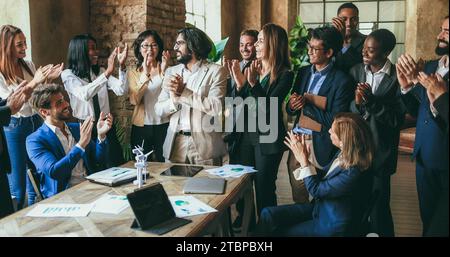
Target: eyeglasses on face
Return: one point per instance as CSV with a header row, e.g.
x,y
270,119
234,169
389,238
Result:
x,y
314,50
147,46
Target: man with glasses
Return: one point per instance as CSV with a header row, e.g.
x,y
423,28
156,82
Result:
x,y
193,95
321,78
347,23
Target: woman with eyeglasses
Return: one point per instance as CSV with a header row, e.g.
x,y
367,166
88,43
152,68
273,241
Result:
x,y
269,78
145,82
15,74
87,85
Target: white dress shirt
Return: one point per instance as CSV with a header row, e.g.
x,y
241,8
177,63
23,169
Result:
x,y
189,77
6,90
79,172
150,99
374,79
81,91
302,173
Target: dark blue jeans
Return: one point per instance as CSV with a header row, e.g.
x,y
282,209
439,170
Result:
x,y
16,133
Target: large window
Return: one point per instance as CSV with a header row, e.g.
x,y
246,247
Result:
x,y
205,15
388,14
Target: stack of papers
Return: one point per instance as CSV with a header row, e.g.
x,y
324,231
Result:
x,y
185,206
60,210
110,204
231,171
114,176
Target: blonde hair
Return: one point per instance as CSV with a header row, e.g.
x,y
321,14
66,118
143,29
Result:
x,y
7,35
276,49
357,141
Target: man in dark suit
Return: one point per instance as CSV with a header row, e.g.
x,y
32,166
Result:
x,y
377,100
437,91
347,23
322,78
8,107
431,142
64,153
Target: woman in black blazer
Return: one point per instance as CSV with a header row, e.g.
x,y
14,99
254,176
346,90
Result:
x,y
268,78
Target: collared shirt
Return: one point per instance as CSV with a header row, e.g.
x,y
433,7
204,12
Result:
x,y
322,75
374,79
79,172
6,90
81,91
189,77
304,172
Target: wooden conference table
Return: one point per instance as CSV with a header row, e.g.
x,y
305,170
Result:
x,y
99,225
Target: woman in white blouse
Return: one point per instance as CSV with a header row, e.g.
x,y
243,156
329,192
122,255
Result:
x,y
87,85
145,86
14,70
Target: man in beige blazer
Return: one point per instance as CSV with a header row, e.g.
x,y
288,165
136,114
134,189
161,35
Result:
x,y
193,97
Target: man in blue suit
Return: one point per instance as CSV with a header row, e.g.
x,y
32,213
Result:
x,y
431,142
63,153
321,78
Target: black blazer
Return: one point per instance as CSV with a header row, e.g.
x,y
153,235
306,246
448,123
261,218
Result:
x,y
353,55
338,87
278,90
385,114
5,116
441,105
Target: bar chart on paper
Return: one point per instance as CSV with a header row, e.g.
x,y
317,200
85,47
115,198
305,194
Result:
x,y
60,210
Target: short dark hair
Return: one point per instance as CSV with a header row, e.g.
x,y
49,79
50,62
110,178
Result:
x,y
41,97
78,56
137,45
385,39
197,42
330,37
348,5
251,33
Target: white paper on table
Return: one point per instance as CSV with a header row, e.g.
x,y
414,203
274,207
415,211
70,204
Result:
x,y
110,204
60,210
185,206
231,171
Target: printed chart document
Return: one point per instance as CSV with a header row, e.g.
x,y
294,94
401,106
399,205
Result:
x,y
231,171
110,204
60,210
185,206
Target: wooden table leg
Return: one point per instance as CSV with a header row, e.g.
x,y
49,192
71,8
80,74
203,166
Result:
x,y
248,209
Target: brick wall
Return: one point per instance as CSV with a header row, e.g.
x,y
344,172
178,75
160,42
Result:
x,y
116,22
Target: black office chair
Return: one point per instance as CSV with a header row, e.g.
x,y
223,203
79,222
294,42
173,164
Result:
x,y
34,178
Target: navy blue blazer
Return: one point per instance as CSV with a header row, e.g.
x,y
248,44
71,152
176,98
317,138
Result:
x,y
53,165
339,89
340,200
431,142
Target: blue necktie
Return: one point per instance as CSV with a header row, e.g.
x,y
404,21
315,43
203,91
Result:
x,y
314,83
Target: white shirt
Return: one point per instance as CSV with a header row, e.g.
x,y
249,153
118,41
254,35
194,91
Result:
x,y
79,172
189,77
302,173
81,91
6,90
150,99
374,79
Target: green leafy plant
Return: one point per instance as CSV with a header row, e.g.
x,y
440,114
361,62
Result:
x,y
298,40
121,133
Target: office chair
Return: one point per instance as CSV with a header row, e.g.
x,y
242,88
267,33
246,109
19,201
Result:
x,y
33,176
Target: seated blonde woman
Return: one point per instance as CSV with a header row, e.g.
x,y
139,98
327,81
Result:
x,y
341,192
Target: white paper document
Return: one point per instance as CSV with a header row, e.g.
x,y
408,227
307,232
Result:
x,y
185,206
231,171
110,204
60,210
112,175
